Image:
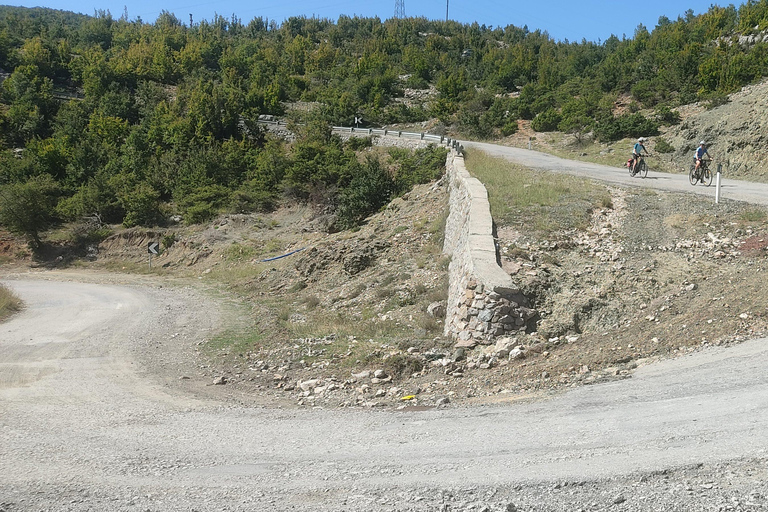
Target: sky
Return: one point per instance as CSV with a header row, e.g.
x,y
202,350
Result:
x,y
574,20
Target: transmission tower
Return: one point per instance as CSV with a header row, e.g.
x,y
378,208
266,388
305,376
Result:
x,y
399,8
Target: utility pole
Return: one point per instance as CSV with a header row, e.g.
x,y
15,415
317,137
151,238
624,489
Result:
x,y
446,10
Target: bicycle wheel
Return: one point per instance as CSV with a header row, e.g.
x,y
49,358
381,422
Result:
x,y
642,170
693,176
706,176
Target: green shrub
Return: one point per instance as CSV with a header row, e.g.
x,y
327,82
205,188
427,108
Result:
x,y
417,167
509,128
662,146
358,143
667,116
199,212
248,199
368,191
204,203
168,240
547,121
627,125
29,208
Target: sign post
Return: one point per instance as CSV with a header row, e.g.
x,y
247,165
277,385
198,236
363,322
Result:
x,y
152,248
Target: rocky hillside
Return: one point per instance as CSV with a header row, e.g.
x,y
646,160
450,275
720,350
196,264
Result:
x,y
737,132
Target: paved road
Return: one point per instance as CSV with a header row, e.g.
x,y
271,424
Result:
x,y
83,427
756,193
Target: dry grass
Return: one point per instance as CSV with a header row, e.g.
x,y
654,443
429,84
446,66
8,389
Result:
x,y
543,201
9,303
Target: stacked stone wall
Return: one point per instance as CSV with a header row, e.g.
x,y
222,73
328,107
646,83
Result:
x,y
483,301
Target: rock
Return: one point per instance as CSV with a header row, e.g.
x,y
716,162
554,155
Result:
x,y
442,401
220,381
309,385
436,310
380,374
465,343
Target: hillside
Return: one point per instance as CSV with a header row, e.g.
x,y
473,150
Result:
x,y
655,275
736,132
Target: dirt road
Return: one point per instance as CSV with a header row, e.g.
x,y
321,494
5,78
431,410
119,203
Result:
x,y
89,421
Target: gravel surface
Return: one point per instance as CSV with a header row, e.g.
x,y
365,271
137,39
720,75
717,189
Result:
x,y
101,409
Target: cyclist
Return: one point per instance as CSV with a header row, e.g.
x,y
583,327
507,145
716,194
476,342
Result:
x,y
699,155
637,151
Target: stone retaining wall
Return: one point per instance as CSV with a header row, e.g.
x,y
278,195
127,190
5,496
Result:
x,y
483,301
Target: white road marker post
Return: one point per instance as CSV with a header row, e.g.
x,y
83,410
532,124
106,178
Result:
x,y
717,183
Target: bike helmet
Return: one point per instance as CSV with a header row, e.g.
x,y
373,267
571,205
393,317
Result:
x,y
702,143
641,139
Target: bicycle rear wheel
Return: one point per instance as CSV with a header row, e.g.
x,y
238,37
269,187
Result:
x,y
693,175
642,170
706,176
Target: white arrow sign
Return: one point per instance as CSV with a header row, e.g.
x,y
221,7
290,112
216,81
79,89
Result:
x,y
153,248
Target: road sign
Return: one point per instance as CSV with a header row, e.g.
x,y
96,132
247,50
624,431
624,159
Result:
x,y
153,248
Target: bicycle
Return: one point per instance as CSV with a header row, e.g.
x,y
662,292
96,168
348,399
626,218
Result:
x,y
703,174
639,167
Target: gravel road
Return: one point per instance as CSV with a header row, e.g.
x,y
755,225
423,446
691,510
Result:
x,y
94,416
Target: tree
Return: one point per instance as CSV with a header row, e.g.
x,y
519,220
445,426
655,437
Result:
x,y
28,208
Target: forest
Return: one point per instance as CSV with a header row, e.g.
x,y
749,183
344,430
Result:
x,y
131,122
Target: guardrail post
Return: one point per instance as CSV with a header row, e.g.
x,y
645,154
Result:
x,y
370,131
385,132
399,134
422,136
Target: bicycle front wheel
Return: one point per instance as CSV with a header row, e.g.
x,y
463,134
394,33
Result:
x,y
706,176
643,169
693,175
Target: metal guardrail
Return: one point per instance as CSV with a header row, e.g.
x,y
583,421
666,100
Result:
x,y
441,139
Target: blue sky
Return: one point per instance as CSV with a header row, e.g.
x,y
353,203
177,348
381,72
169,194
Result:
x,y
573,20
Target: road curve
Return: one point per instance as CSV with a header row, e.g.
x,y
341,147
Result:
x,y
756,193
83,427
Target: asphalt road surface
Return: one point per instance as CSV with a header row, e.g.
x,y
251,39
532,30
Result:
x,y
756,193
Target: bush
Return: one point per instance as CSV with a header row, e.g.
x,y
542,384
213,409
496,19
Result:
x,y
547,121
368,191
358,143
420,166
199,212
142,206
627,125
667,116
29,208
509,128
662,146
203,203
250,199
